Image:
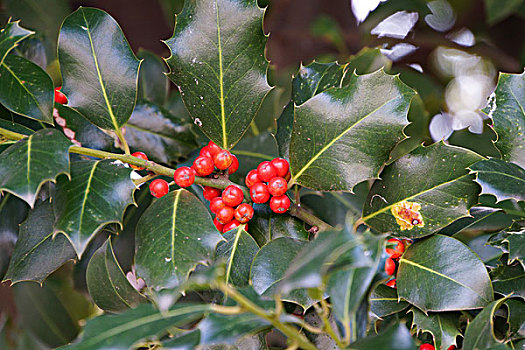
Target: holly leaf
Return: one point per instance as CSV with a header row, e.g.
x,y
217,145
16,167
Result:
x,y
461,286
315,78
516,243
107,284
219,329
10,36
185,341
434,178
173,235
442,327
480,332
501,179
283,135
508,116
250,151
396,337
509,279
32,161
153,83
37,254
384,301
97,194
12,211
26,89
371,107
238,250
223,79
89,45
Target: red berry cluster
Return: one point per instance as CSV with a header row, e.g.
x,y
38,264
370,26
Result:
x,y
395,248
270,178
228,208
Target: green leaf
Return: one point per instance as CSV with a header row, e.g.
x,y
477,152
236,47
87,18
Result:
x,y
501,179
371,107
509,279
250,151
516,318
185,341
97,194
238,250
442,327
173,235
12,211
396,337
497,10
10,36
315,78
434,177
153,83
516,242
37,254
384,301
270,265
12,126
451,278
26,89
26,165
124,330
482,220
283,136
222,75
508,116
107,284
227,329
480,332
99,70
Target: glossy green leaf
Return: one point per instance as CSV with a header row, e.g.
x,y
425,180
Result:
x,y
222,74
371,107
153,83
12,126
97,194
516,318
121,331
442,327
10,36
184,341
107,284
26,89
366,61
12,211
26,165
500,179
161,136
250,151
219,329
480,332
99,70
509,279
516,242
434,177
315,78
396,337
481,220
283,136
384,301
238,250
497,10
270,265
37,254
173,235
461,276
508,116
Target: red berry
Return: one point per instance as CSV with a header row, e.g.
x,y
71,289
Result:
x,y
390,266
451,347
223,160
281,166
232,196
59,96
280,204
216,204
397,251
235,165
244,213
426,347
141,156
391,283
213,148
203,166
210,192
218,225
158,188
252,178
184,176
225,215
206,152
259,193
230,226
277,186
266,171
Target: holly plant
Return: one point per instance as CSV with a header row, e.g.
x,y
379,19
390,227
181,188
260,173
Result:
x,y
137,215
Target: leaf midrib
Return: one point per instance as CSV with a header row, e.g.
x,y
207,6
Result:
x,y
232,254
173,223
221,83
499,173
86,192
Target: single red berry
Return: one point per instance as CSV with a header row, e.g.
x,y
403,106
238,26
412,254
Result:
x,y
216,204
390,266
281,166
184,176
277,186
59,96
266,171
232,196
244,213
218,225
391,283
230,226
223,160
210,192
426,347
252,178
203,166
235,165
213,148
205,152
225,215
451,347
397,250
159,188
141,156
280,204
259,193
